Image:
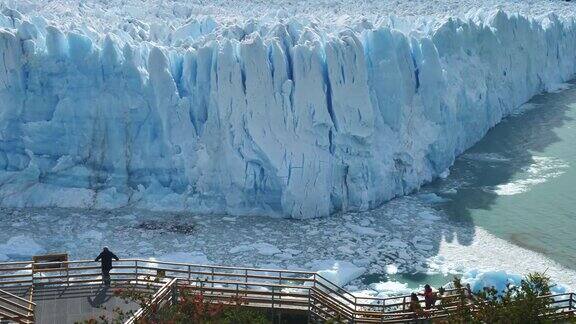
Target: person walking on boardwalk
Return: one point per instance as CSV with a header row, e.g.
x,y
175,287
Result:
x,y
105,257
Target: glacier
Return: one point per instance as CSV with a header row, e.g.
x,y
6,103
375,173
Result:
x,y
283,118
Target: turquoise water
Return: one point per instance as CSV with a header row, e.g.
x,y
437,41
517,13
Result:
x,y
519,182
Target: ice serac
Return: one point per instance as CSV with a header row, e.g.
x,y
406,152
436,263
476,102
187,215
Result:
x,y
285,119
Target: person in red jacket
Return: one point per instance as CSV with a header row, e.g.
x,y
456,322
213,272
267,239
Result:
x,y
429,297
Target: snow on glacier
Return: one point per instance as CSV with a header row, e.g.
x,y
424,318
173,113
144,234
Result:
x,y
283,118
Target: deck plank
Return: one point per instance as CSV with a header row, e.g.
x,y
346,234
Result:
x,y
61,304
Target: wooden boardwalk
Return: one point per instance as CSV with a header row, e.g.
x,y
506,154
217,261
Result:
x,y
70,304
62,304
71,291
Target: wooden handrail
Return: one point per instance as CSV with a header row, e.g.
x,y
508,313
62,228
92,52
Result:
x,y
282,287
241,273
14,311
327,283
14,304
333,302
168,263
11,295
160,296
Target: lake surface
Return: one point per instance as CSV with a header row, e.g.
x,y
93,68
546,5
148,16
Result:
x,y
519,182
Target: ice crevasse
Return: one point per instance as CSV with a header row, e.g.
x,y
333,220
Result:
x,y
281,119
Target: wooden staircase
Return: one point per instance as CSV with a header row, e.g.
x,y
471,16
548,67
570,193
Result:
x,y
324,307
15,309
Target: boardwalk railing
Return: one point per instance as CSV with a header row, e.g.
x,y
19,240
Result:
x,y
15,308
163,296
266,288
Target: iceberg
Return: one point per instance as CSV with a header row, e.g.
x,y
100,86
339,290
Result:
x,y
499,280
281,119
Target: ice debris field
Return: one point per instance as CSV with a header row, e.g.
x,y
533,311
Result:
x,y
295,109
367,253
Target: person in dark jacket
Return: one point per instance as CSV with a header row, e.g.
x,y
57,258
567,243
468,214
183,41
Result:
x,y
105,257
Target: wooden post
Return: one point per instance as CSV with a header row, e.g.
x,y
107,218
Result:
x,y
212,277
246,278
175,293
280,283
189,273
404,304
309,306
32,273
273,313
136,272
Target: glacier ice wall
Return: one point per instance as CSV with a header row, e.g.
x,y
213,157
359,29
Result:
x,y
283,119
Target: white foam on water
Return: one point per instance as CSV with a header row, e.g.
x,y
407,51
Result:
x,y
489,253
540,171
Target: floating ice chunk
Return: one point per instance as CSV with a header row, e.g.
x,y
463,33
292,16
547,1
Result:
x,y
444,174
91,235
194,257
284,256
450,191
364,230
365,222
424,247
391,269
396,243
266,249
292,251
261,248
338,272
20,247
391,288
497,279
478,279
428,216
241,248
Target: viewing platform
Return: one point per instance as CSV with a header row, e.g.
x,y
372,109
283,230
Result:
x,y
72,291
